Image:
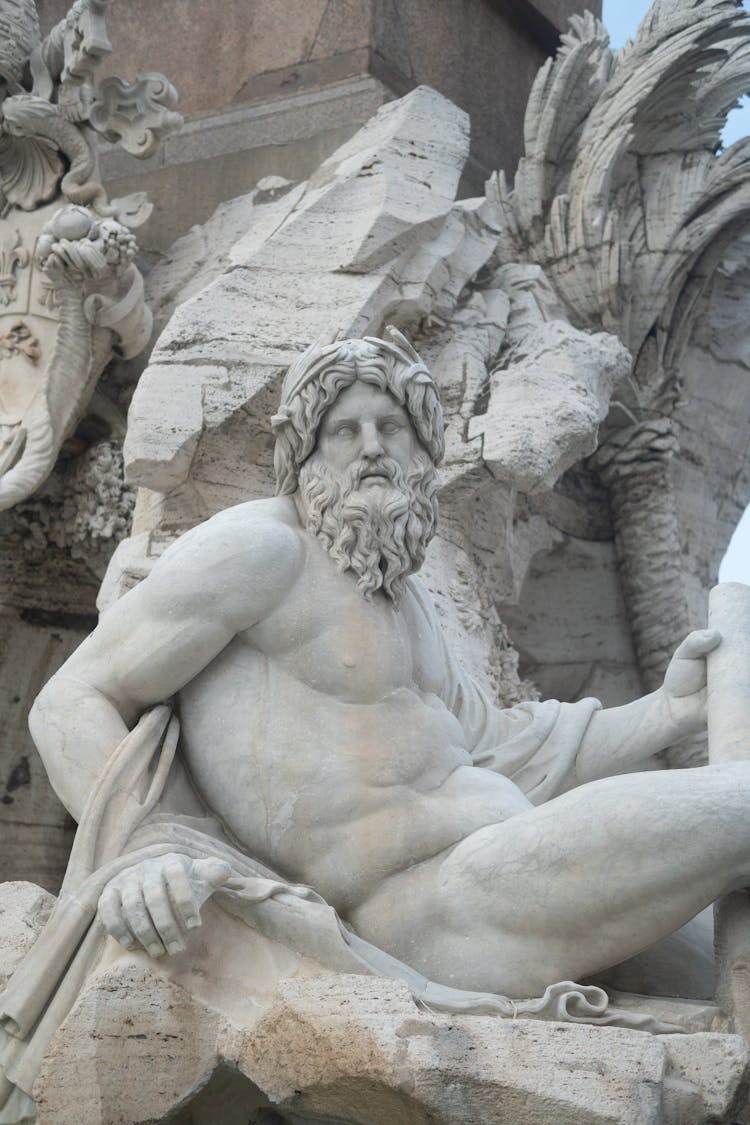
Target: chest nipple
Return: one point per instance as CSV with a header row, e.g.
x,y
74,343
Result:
x,y
350,662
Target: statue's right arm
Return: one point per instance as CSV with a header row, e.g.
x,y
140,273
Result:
x,y
218,580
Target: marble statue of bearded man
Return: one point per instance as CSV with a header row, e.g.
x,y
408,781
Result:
x,y
341,782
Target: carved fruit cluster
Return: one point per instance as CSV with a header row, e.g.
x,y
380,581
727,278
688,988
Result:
x,y
76,241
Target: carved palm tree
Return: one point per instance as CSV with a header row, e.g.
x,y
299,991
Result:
x,y
626,201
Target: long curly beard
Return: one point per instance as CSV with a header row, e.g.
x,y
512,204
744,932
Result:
x,y
378,531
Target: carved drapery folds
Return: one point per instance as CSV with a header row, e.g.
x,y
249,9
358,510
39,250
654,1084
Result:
x,y
70,294
625,201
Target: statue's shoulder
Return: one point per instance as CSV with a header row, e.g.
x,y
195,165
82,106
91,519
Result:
x,y
260,538
277,513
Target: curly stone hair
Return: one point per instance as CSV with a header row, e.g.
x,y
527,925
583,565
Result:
x,y
317,378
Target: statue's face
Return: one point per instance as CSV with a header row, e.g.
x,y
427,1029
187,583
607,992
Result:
x,y
366,424
368,490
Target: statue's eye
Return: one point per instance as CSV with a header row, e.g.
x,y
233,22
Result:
x,y
344,429
390,427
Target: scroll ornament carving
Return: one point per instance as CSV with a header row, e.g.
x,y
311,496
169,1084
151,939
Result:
x,y
67,271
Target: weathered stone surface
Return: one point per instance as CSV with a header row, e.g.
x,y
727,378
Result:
x,y
371,194
24,908
228,237
168,433
715,1066
546,405
604,200
35,829
376,1058
333,254
132,1050
575,645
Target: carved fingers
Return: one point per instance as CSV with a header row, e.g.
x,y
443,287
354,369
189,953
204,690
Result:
x,y
686,673
684,690
156,902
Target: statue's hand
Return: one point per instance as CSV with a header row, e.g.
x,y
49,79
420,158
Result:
x,y
154,903
685,680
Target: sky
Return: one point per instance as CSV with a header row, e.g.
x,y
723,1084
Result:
x,y
621,18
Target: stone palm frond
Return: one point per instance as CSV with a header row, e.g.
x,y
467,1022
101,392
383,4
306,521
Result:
x,y
621,196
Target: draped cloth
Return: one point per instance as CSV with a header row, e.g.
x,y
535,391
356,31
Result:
x,y
122,824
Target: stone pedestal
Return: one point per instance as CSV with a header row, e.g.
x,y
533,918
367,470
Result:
x,y
138,1049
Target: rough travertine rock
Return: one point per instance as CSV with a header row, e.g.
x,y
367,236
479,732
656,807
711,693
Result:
x,y
550,390
358,1051
153,1042
626,201
198,437
24,908
373,236
36,830
238,334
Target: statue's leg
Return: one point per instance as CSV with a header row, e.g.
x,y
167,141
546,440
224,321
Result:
x,y
571,887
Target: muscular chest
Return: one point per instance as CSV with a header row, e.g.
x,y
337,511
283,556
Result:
x,y
335,641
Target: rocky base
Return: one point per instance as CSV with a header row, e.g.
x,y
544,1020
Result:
x,y
139,1049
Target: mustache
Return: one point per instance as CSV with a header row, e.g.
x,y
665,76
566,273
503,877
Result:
x,y
382,467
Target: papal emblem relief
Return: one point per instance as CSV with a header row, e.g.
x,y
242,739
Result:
x,y
71,296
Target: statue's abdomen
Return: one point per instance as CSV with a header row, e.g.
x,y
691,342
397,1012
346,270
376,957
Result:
x,y
321,790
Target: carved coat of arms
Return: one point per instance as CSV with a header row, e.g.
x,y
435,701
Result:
x,y
70,293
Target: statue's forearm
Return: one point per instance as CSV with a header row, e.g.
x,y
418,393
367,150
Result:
x,y
76,728
622,738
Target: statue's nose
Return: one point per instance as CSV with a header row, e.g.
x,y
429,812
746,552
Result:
x,y
371,444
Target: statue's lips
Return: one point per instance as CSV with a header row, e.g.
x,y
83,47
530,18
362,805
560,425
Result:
x,y
375,475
